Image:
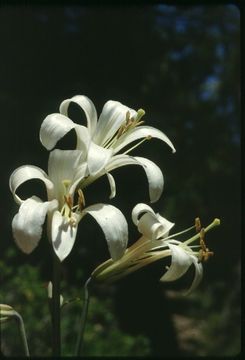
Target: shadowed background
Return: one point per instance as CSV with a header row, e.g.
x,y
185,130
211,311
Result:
x,y
181,64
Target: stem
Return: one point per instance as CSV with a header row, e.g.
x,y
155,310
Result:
x,y
83,319
56,343
23,333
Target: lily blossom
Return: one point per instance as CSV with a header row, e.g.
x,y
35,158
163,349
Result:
x,y
65,207
104,138
156,243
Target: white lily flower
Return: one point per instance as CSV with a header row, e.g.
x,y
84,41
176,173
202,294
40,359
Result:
x,y
102,140
64,207
156,243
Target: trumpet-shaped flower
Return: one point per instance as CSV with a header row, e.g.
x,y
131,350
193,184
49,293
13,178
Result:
x,y
103,139
64,208
156,243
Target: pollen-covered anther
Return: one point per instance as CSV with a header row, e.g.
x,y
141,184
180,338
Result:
x,y
198,225
81,199
204,252
204,255
68,201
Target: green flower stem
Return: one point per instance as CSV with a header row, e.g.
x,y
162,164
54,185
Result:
x,y
56,341
83,318
22,333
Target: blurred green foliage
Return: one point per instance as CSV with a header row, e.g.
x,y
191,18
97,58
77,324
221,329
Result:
x,y
182,65
27,293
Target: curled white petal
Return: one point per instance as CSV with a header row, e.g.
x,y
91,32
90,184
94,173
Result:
x,y
83,139
198,275
25,173
27,223
154,177
140,209
139,133
150,224
63,234
150,227
53,128
152,171
112,117
114,226
180,263
112,185
86,105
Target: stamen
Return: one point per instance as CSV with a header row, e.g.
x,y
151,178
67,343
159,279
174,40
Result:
x,y
139,143
198,224
216,222
81,200
68,201
140,114
204,252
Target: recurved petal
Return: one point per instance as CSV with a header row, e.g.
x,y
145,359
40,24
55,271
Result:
x,y
114,226
86,105
25,173
112,185
153,172
53,128
154,177
83,139
139,210
150,227
63,234
180,263
112,117
98,158
27,223
198,275
139,133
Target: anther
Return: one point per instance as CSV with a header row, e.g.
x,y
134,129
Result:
x,y
68,201
204,253
81,199
198,224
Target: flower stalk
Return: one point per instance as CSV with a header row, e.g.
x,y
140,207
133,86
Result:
x,y
83,319
56,341
8,313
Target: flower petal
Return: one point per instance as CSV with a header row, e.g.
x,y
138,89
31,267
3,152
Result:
x,y
154,177
98,158
83,139
53,128
198,275
27,223
153,172
86,105
151,225
114,226
112,117
63,235
25,173
180,263
140,209
112,185
64,165
139,133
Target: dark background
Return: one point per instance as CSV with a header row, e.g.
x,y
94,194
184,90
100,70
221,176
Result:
x,y
181,64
